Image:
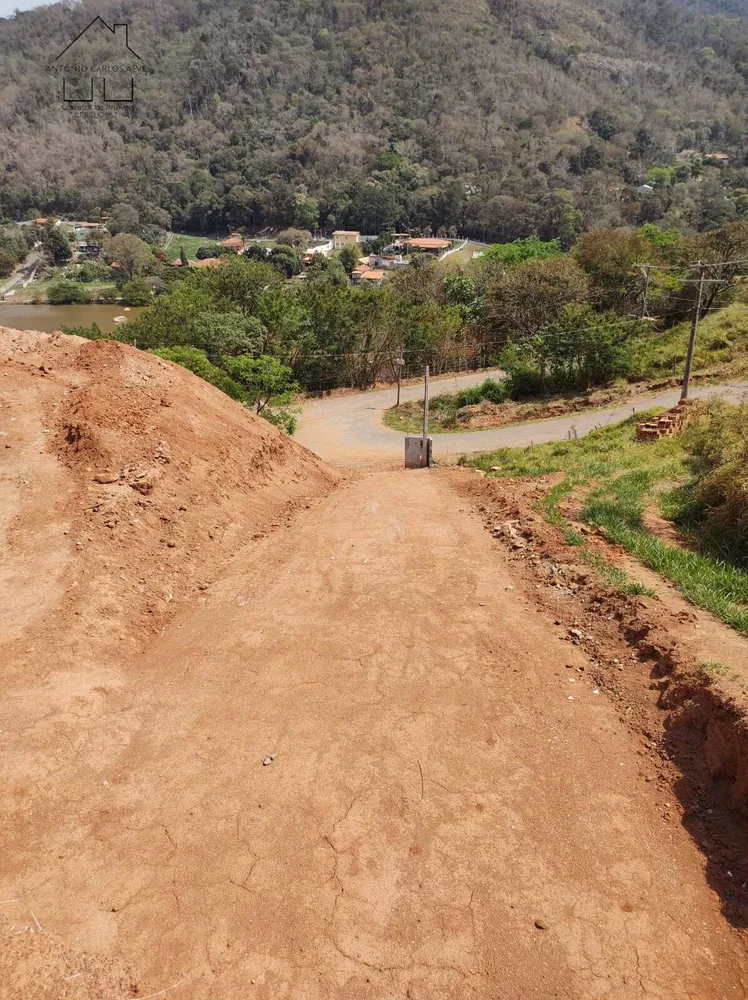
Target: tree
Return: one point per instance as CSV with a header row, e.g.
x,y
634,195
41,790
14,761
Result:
x,y
608,257
285,259
64,292
197,362
206,252
578,350
55,244
136,292
726,249
7,262
236,285
255,251
348,258
604,123
460,290
531,296
269,386
266,382
130,252
661,176
123,218
183,256
305,212
228,334
294,237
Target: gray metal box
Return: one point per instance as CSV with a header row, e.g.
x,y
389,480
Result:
x,y
414,455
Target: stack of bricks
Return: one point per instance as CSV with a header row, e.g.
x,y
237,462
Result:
x,y
671,422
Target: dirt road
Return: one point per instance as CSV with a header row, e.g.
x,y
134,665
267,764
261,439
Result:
x,y
348,430
445,814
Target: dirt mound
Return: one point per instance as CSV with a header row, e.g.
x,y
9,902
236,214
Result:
x,y
126,482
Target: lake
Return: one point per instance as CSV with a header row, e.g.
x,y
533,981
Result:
x,y
47,319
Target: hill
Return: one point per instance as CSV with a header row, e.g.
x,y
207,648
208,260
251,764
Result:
x,y
494,118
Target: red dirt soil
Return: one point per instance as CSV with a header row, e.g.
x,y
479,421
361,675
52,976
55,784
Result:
x,y
368,762
127,482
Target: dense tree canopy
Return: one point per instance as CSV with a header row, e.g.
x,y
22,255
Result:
x,y
500,120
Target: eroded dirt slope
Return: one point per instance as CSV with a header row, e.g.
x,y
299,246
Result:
x,y
126,483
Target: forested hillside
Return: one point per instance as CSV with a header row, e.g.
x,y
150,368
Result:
x,y
496,118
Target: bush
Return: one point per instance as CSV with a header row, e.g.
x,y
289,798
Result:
x,y
489,391
579,350
64,292
205,253
197,362
137,293
521,251
92,332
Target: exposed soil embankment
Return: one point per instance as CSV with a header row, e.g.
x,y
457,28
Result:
x,y
128,482
648,653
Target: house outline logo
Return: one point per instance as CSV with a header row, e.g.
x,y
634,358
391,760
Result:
x,y
100,70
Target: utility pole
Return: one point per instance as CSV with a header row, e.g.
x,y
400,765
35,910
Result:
x,y
426,416
692,337
399,365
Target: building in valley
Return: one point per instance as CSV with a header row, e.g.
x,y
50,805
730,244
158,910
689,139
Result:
x,y
345,238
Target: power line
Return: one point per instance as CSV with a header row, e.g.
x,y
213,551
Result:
x,y
689,266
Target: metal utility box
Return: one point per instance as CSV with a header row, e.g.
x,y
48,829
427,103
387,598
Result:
x,y
415,458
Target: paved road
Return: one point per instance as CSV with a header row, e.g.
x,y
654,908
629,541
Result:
x,y
24,270
348,430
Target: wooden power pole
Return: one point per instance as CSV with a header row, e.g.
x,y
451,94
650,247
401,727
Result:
x,y
399,365
692,337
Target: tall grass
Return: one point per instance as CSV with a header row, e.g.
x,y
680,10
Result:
x,y
620,477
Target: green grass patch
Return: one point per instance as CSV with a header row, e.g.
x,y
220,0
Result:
x,y
722,340
613,575
191,245
711,670
464,255
622,477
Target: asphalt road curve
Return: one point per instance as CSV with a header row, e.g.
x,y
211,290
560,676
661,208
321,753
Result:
x,y
348,430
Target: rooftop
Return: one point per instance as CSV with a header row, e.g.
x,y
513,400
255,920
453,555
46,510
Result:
x,y
430,243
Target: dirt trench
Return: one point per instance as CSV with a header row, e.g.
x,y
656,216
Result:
x,y
371,761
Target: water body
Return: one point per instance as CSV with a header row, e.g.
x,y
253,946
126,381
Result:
x,y
47,319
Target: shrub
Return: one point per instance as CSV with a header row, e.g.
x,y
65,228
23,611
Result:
x,y
137,293
204,253
579,350
489,391
197,362
64,292
92,332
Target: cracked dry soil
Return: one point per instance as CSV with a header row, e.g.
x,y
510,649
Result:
x,y
447,814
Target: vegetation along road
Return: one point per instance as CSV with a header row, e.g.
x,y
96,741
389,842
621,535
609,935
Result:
x,y
348,430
